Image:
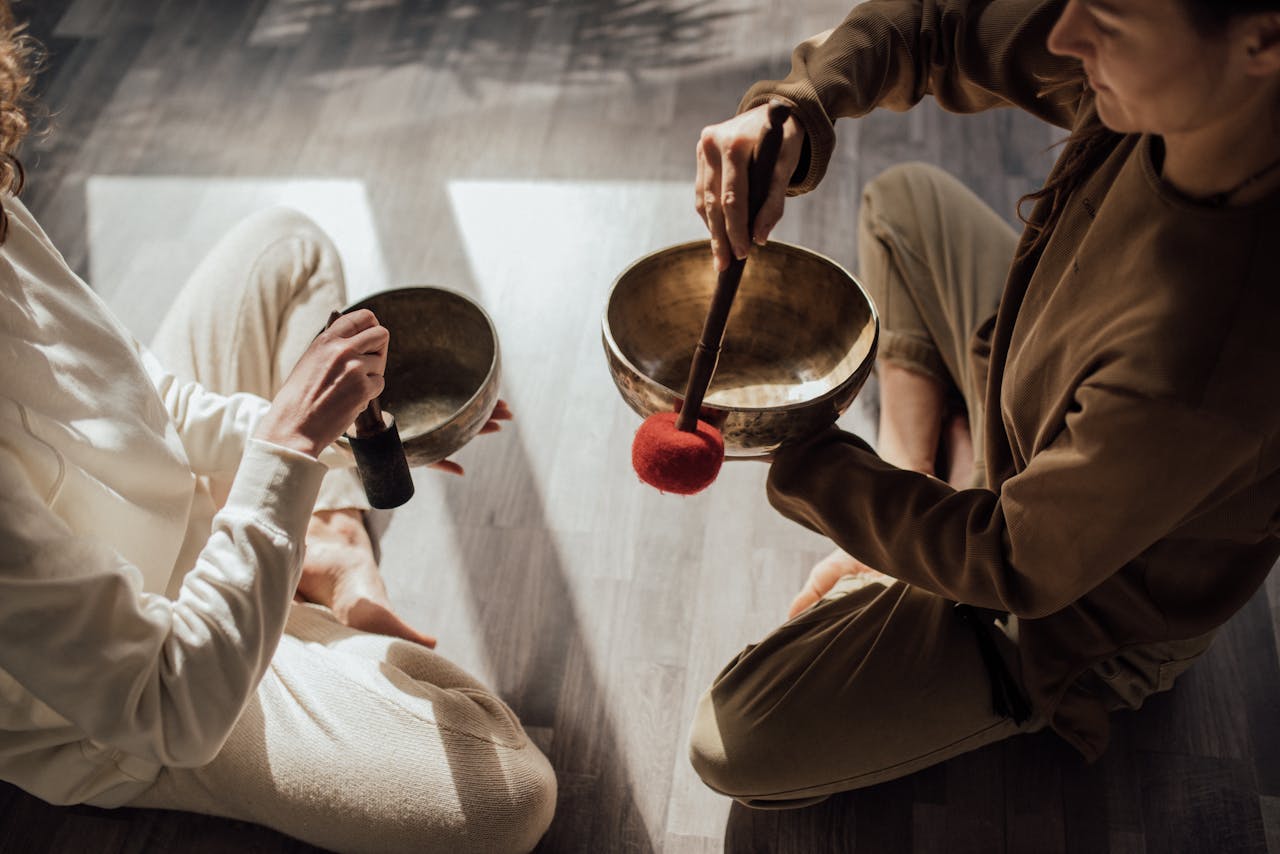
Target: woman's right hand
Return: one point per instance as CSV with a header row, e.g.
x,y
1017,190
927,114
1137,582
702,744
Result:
x,y
720,191
334,380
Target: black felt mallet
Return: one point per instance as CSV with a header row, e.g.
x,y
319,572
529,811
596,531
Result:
x,y
380,459
675,451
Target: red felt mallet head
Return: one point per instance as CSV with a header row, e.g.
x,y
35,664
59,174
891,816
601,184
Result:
x,y
678,452
675,460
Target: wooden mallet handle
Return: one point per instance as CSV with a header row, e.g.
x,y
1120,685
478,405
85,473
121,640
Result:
x,y
707,353
370,422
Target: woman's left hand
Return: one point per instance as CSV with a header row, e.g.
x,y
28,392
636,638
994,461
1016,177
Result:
x,y
824,576
500,413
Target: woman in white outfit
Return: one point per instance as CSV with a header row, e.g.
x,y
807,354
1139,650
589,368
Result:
x,y
152,530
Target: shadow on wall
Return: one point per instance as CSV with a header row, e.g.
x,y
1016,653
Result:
x,y
564,41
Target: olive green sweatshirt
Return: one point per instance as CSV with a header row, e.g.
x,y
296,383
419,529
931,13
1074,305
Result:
x,y
1132,379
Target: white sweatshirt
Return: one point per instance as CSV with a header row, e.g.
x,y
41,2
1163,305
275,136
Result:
x,y
103,677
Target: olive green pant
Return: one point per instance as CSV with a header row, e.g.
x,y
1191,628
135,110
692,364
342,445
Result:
x,y
879,680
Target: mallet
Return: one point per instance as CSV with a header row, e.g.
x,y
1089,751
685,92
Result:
x,y
380,460
675,451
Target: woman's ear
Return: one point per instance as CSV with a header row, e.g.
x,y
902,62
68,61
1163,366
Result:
x,y
1262,43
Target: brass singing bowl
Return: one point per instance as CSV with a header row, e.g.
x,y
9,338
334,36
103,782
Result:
x,y
799,344
443,368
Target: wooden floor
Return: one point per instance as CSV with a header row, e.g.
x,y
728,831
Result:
x,y
524,151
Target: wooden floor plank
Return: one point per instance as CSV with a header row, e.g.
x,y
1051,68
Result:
x,y
1271,822
599,608
1200,803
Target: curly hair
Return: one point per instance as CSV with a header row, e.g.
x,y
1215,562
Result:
x,y
17,60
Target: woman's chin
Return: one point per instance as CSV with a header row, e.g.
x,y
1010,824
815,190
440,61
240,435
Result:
x,y
1115,119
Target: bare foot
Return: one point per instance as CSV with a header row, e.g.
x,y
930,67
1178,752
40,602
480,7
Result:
x,y
827,572
339,572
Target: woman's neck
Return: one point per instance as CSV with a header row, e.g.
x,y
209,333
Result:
x,y
1231,158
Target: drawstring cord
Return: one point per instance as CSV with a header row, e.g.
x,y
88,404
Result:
x,y
1006,695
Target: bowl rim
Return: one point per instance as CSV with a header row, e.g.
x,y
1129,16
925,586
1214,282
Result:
x,y
614,351
494,362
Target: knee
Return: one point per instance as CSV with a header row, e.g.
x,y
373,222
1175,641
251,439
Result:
x,y
893,195
512,816
717,752
289,231
707,756
903,180
285,221
531,804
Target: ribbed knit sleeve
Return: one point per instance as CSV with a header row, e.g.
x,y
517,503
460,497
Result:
x,y
971,55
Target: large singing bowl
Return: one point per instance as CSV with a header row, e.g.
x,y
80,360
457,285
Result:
x,y
443,368
800,341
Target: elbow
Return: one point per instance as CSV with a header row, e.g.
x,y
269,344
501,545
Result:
x,y
188,748
167,747
183,738
1035,611
191,740
1032,588
1036,604
193,754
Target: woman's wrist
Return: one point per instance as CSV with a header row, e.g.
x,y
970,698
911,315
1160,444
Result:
x,y
269,431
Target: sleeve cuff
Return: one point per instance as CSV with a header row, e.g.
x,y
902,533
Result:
x,y
277,486
819,132
338,455
802,474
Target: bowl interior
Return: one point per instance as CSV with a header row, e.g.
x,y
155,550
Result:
x,y
800,325
443,351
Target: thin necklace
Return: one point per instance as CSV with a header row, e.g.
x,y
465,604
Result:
x,y
1220,199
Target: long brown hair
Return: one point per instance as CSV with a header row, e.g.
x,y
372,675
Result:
x,y
1083,152
1091,141
17,59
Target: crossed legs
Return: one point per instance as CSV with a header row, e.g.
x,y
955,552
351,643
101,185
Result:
x,y
353,741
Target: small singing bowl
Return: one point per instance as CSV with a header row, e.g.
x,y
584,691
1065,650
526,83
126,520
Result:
x,y
443,368
799,343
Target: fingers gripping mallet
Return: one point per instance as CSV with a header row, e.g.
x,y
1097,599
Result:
x,y
675,451
380,460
